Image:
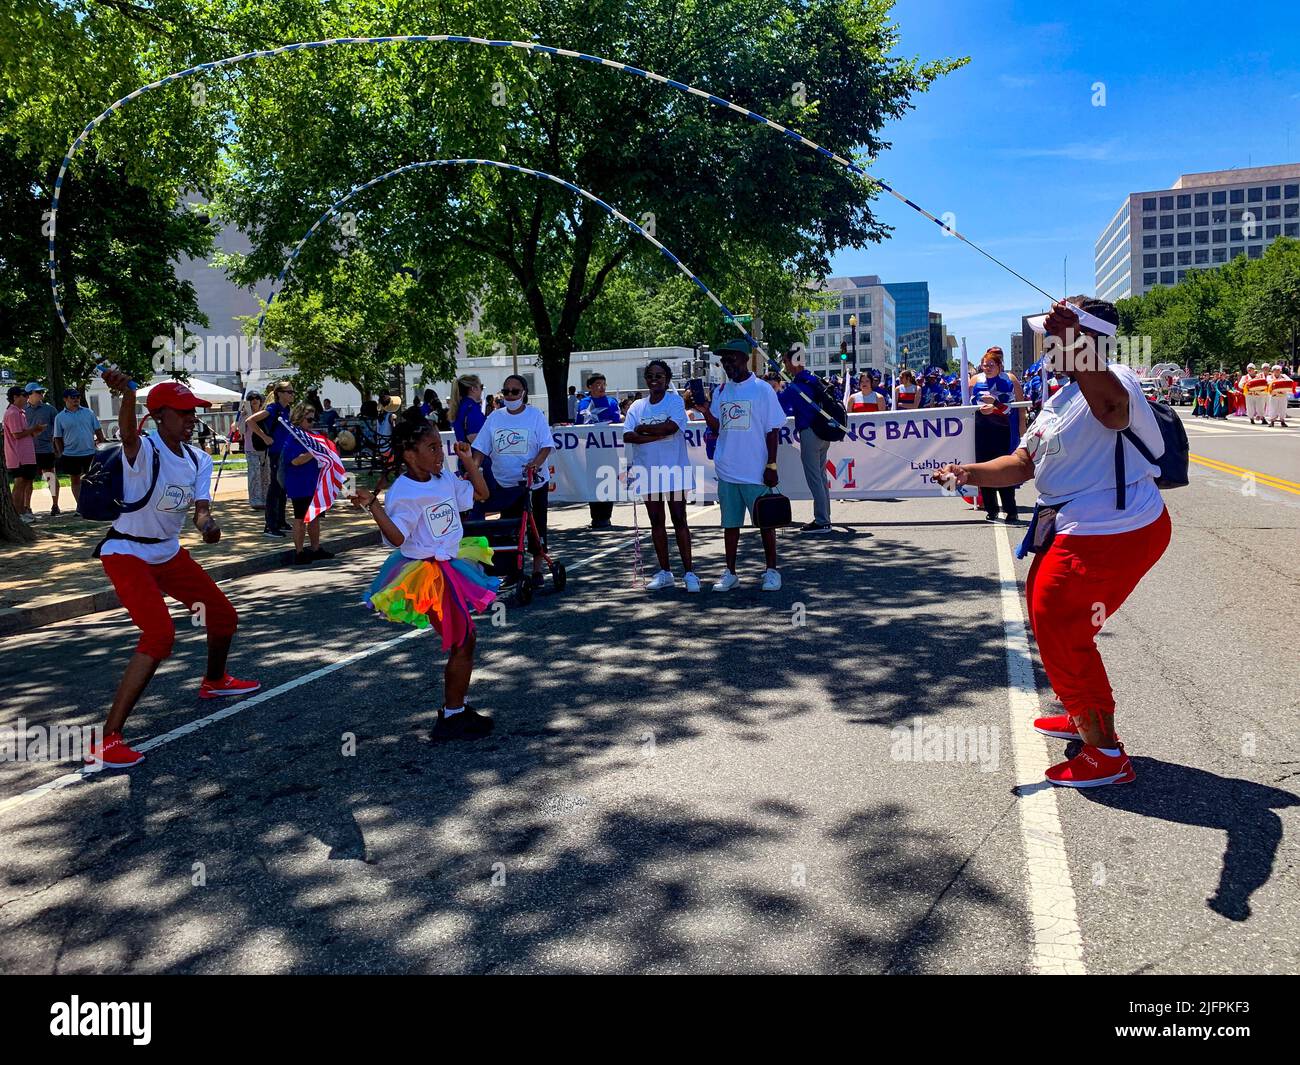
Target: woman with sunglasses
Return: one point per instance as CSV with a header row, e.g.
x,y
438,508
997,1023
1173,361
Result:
x,y
518,439
263,424
301,473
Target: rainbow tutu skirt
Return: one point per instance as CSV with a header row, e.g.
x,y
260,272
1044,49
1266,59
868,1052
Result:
x,y
432,592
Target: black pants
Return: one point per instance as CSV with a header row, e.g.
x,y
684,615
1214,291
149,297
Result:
x,y
275,497
992,439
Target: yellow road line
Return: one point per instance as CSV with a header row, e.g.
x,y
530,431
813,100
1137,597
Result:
x,y
1267,480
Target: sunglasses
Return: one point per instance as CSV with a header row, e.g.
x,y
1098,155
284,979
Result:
x,y
512,391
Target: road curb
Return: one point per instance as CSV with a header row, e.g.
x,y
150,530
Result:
x,y
17,619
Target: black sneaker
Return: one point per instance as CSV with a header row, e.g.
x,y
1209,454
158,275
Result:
x,y
816,527
277,534
302,558
991,515
320,553
467,725
606,524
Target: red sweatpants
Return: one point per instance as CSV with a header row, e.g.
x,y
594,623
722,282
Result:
x,y
141,588
1072,588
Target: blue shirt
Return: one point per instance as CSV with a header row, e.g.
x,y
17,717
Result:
x,y
468,421
275,412
604,409
76,428
299,481
805,383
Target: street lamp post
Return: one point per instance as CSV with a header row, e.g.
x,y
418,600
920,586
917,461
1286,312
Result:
x,y
853,326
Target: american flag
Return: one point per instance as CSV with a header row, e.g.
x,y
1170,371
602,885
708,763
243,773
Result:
x,y
329,480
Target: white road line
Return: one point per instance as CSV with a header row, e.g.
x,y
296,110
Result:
x,y
1058,942
68,779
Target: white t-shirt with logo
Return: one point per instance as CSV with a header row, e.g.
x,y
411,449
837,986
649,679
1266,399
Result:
x,y
427,513
659,466
746,413
513,440
1074,459
181,482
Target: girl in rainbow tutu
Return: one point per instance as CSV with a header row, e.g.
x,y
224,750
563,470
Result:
x,y
435,577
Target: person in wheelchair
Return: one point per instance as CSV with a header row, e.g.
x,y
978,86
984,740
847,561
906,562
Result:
x,y
518,440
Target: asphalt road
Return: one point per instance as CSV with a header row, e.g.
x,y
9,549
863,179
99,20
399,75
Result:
x,y
688,783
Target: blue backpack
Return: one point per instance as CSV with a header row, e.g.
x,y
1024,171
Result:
x,y
1173,463
103,485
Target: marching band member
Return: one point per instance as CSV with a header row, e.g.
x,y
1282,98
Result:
x,y
1257,394
1281,389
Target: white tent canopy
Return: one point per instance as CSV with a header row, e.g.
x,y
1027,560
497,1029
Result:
x,y
203,389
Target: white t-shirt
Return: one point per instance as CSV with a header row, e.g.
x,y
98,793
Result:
x,y
1074,459
660,466
746,413
513,440
427,513
180,483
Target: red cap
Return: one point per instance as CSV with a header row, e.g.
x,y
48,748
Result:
x,y
175,395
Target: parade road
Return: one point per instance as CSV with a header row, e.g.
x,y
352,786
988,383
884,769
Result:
x,y
837,777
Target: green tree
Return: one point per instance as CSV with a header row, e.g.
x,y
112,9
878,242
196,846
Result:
x,y
748,212
1269,320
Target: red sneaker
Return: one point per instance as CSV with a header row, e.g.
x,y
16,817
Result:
x,y
227,685
112,753
1058,726
1091,768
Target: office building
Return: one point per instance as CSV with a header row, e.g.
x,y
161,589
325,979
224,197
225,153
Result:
x,y
871,301
1203,221
911,322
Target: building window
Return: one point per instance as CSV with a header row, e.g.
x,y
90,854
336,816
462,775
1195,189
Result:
x,y
1220,255
1235,233
832,321
1149,223
1202,199
849,302
1184,258
1184,201
1220,235
1255,195
1184,239
1256,250
1167,278
1274,192
1273,231
1148,279
1203,236
819,341
1149,203
1291,210
1273,210
1218,198
1149,260
1220,217
1202,218
1235,251
1185,219
1182,274
1237,196
1166,240
1150,242
1166,203
1235,214
1292,191
1292,229
1202,256
865,318
1167,258
1166,221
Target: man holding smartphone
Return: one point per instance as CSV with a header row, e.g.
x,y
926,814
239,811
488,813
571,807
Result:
x,y
747,417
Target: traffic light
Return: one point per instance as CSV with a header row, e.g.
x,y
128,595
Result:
x,y
844,351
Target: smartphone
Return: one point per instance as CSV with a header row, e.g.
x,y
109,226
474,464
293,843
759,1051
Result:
x,y
349,485
696,386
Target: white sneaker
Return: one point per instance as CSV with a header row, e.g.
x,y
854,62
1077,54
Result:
x,y
771,581
726,582
662,579
692,581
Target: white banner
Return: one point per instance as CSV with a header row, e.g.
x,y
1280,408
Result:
x,y
885,456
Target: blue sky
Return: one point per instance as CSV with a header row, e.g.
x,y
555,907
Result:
x,y
1013,146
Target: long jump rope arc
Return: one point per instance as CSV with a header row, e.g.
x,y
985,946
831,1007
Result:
x,y
529,46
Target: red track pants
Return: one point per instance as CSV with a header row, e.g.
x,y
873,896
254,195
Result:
x,y
141,587
1073,587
